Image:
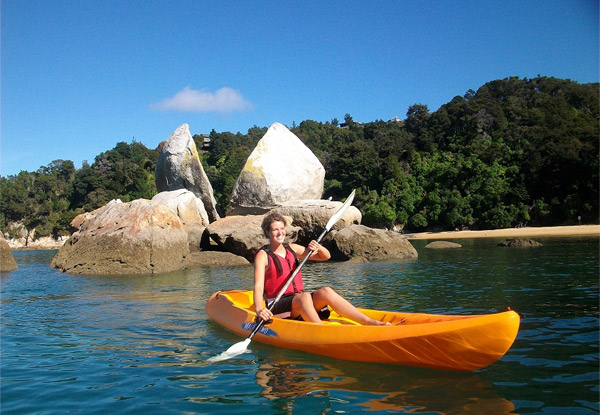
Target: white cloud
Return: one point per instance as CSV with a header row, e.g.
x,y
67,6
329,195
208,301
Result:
x,y
189,100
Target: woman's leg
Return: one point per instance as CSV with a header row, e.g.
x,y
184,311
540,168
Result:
x,y
327,296
302,305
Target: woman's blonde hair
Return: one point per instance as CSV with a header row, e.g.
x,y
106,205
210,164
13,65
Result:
x,y
269,219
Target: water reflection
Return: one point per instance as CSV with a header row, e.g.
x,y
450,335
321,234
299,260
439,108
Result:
x,y
284,380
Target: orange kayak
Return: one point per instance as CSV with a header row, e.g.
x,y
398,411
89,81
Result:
x,y
447,342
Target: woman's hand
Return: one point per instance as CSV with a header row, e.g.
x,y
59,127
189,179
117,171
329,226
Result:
x,y
314,246
320,253
264,314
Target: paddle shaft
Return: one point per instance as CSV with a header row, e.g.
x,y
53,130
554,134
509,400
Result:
x,y
287,284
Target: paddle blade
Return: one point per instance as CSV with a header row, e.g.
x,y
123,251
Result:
x,y
235,350
338,215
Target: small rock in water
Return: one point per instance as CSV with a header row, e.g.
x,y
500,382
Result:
x,y
520,243
443,245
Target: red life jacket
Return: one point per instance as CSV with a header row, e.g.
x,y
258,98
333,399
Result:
x,y
278,272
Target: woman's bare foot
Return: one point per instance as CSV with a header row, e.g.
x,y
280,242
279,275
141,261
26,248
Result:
x,y
373,322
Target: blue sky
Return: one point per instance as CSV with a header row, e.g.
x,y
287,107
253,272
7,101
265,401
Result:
x,y
78,76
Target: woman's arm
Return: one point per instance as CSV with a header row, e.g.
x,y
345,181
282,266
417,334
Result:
x,y
260,265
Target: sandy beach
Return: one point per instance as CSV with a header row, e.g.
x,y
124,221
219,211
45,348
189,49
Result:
x,y
512,232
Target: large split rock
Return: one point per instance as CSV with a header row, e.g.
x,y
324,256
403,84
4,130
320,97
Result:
x,y
139,237
360,242
280,169
7,260
179,167
242,235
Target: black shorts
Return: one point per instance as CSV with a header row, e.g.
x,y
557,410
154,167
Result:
x,y
284,305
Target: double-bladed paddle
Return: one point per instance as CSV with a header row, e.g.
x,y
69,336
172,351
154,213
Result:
x,y
241,347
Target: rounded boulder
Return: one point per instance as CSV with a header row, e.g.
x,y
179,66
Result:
x,y
138,237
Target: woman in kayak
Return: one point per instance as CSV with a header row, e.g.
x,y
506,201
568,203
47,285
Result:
x,y
274,263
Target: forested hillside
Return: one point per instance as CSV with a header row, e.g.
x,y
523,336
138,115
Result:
x,y
514,152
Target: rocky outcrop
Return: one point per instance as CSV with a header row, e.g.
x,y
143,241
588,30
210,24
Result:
x,y
442,245
24,239
358,241
43,243
139,237
7,260
179,167
520,243
215,259
312,216
17,236
242,235
181,221
280,169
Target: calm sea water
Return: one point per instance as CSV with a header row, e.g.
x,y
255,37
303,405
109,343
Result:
x,y
139,345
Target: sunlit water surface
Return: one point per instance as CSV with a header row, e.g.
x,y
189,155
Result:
x,y
139,345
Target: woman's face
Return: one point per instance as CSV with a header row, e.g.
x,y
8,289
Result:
x,y
277,232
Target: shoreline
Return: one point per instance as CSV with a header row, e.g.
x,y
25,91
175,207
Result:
x,y
525,232
576,230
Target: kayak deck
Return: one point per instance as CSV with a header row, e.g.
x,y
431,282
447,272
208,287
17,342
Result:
x,y
452,342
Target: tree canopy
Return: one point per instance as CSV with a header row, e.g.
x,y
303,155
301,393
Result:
x,y
514,152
